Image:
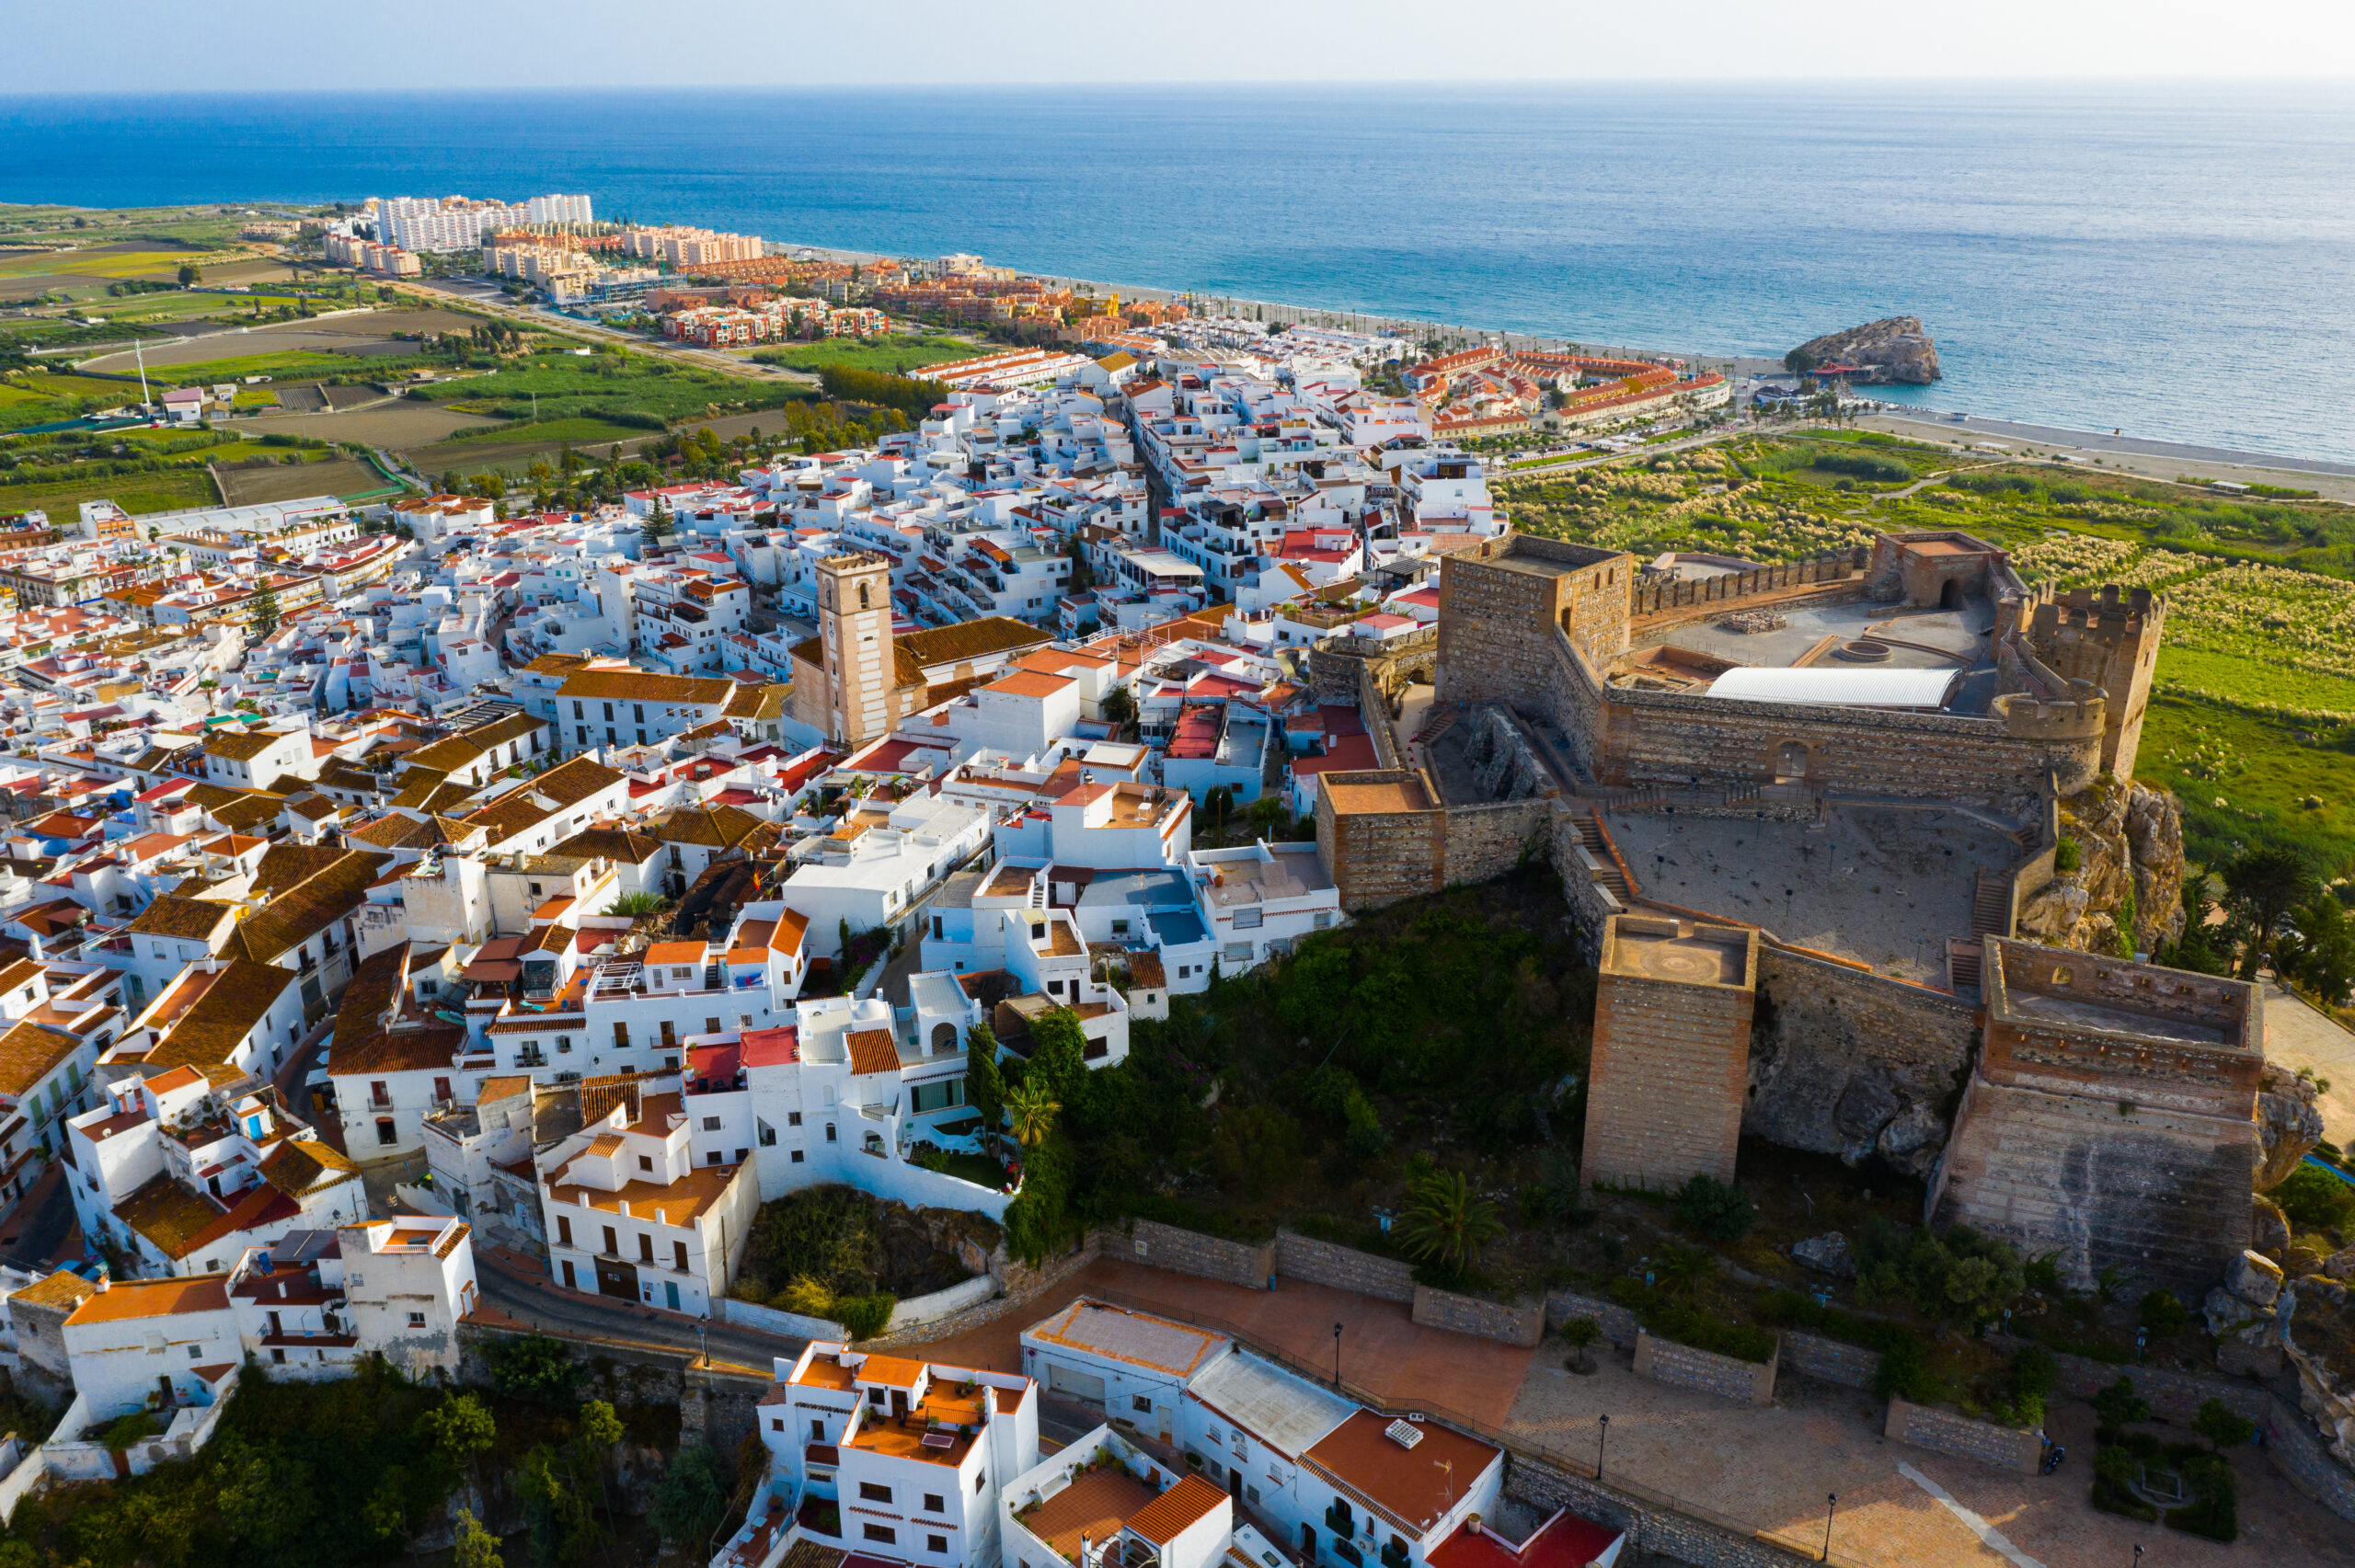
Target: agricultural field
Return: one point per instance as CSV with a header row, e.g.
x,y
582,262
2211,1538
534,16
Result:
x,y
600,385
336,475
897,354
166,490
2259,656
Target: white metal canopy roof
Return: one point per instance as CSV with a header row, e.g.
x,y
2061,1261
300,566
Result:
x,y
1839,688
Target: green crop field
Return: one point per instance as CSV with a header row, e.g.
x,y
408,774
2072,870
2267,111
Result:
x,y
569,385
286,364
895,354
169,490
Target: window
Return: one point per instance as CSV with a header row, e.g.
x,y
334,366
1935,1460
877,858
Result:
x,y
712,1158
646,1162
440,1089
711,1026
563,1044
278,1357
868,1491
793,1118
386,1132
679,1256
1141,1403
936,1543
563,1231
796,1157
1252,1493
613,1247
621,1036
644,1247
1249,920
764,1133
934,1503
577,712
416,1320
878,1532
830,1132
980,1480
742,1155
1323,919
711,1124
816,1430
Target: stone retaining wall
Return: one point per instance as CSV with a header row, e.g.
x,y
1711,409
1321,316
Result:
x,y
1248,1264
1343,1268
1830,1361
1618,1325
1943,1432
1677,1537
1524,1322
1485,840
1682,1367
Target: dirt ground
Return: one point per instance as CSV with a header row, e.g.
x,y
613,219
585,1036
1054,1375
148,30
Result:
x,y
280,339
336,476
399,425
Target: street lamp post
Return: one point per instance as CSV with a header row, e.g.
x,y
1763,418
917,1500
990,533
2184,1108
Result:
x,y
1831,1502
1337,1358
1602,1435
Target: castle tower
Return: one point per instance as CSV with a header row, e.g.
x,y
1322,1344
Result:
x,y
855,638
2110,641
1671,1066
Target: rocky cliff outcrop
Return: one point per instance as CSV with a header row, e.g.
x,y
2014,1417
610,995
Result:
x,y
2287,1122
2128,843
1896,350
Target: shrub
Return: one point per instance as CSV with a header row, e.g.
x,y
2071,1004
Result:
x,y
864,1317
1676,1322
1960,1277
2067,856
2222,1428
1863,466
1714,1209
2163,1314
2214,1513
535,1370
2316,1199
2120,1406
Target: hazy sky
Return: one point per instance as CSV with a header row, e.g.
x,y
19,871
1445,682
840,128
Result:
x,y
235,44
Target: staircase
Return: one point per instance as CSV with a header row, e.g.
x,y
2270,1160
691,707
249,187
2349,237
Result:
x,y
1991,906
1966,962
1609,876
714,977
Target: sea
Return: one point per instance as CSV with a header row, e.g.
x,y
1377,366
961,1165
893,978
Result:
x,y
2169,259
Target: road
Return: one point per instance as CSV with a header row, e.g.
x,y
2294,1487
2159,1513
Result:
x,y
528,1296
438,292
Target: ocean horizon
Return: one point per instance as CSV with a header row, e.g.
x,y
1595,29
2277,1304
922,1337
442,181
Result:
x,y
2164,258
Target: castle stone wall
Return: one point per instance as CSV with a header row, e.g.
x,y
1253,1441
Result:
x,y
1379,857
1681,1365
1943,1432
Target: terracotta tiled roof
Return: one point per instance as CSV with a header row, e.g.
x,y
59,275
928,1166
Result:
x,y
300,1166
399,1050
29,1052
169,1216
872,1050
715,826
230,1009
375,986
242,745
643,686
971,639
306,908
1176,1510
622,845
154,1298
192,919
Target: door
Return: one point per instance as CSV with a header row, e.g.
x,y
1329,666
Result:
x,y
569,1283
1163,1412
1234,1482
671,1294
1084,1386
617,1280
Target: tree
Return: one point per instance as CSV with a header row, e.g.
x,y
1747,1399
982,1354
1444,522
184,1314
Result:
x,y
2222,1427
2262,886
658,525
190,276
1267,814
593,1443
459,1428
1030,1112
691,1499
1120,708
1579,1335
2120,1405
1444,1223
984,1085
265,610
2318,952
1799,361
476,1547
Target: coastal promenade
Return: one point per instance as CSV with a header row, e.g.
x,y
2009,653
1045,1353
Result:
x,y
2131,454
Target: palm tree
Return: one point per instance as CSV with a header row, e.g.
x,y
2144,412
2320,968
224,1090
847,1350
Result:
x,y
1444,1223
1030,1112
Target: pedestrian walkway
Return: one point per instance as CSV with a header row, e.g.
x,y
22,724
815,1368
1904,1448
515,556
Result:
x,y
1382,1349
2297,1036
1770,1469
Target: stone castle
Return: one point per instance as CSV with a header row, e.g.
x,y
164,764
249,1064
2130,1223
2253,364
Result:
x,y
1799,810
